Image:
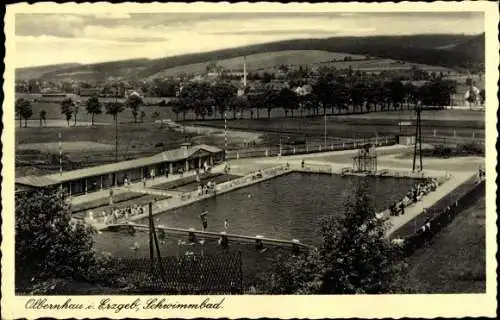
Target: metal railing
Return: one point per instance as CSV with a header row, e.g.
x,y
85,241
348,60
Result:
x,y
311,147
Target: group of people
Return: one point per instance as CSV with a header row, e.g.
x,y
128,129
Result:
x,y
117,214
207,188
415,194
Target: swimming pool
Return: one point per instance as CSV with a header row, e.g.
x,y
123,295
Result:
x,y
286,207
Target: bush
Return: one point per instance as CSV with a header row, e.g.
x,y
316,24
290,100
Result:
x,y
48,243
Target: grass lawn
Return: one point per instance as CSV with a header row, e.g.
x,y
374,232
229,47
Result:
x,y
454,261
68,146
349,127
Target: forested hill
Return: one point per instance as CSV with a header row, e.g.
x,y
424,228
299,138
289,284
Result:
x,y
452,51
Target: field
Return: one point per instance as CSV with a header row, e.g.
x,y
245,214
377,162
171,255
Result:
x,y
378,65
69,146
83,146
353,127
454,261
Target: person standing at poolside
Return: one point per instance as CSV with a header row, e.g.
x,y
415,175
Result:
x,y
204,222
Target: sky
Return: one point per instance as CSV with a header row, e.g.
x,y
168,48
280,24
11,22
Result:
x,y
45,39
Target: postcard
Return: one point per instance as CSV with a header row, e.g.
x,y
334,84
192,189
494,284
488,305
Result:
x,y
249,160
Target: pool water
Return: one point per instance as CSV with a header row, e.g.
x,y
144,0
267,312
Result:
x,y
286,207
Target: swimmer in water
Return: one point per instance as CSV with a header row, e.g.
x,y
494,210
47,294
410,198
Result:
x,y
249,195
135,247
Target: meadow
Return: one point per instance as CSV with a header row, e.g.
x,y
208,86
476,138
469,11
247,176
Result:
x,y
454,261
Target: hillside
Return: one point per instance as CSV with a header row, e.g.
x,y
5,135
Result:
x,y
262,61
37,72
450,51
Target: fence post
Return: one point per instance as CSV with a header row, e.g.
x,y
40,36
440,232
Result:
x,y
293,150
386,140
434,132
237,155
454,132
267,153
343,145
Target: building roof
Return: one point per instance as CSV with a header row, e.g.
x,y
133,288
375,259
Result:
x,y
166,156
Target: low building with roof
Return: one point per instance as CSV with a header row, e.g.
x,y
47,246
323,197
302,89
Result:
x,y
106,176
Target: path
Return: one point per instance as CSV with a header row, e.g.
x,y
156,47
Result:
x,y
428,201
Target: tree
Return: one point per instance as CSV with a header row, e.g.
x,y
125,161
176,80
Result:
x,y
358,96
354,258
197,97
411,94
43,117
339,95
48,243
269,101
222,93
134,102
76,108
396,91
114,109
178,107
24,110
323,91
67,106
238,104
288,99
93,107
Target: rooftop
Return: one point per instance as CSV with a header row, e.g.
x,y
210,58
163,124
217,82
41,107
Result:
x,y
166,156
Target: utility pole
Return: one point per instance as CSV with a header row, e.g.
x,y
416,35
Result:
x,y
153,239
225,136
418,139
60,157
116,124
325,132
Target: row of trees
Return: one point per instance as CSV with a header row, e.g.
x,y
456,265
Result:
x,y
330,94
71,108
